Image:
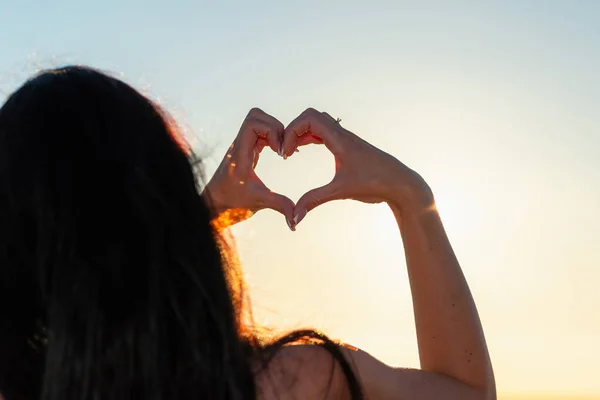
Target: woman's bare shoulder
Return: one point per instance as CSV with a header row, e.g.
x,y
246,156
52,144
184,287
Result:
x,y
302,372
311,372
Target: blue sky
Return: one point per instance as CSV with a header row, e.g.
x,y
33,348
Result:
x,y
496,103
219,57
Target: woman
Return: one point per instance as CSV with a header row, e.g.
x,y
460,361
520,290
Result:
x,y
115,282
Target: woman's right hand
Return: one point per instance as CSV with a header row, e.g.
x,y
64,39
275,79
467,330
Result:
x,y
362,171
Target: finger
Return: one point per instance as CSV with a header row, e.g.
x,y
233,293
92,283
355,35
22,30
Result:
x,y
282,204
266,130
258,124
308,138
327,115
253,134
258,148
314,198
275,133
260,114
309,122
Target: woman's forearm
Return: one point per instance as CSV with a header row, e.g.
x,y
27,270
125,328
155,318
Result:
x,y
449,332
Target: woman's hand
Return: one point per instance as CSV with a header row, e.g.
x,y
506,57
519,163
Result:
x,y
235,190
362,172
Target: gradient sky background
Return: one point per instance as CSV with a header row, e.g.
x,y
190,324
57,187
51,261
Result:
x,y
497,105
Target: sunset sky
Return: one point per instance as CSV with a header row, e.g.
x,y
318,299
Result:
x,y
496,105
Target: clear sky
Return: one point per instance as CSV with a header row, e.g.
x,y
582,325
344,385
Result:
x,y
497,105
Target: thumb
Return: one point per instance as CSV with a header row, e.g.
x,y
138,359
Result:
x,y
314,198
282,204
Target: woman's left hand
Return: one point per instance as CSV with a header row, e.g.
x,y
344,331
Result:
x,y
235,191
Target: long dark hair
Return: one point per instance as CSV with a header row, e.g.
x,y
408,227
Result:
x,y
113,283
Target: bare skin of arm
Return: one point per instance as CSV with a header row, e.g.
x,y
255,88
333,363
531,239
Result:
x,y
449,332
455,363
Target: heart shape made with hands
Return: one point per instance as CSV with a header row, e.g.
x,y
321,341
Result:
x,y
362,172
236,186
295,166
309,167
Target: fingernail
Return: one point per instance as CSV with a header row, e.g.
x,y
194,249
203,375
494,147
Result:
x,y
290,225
300,216
285,156
280,150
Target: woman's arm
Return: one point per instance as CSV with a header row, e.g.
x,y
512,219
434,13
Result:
x,y
449,332
455,363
